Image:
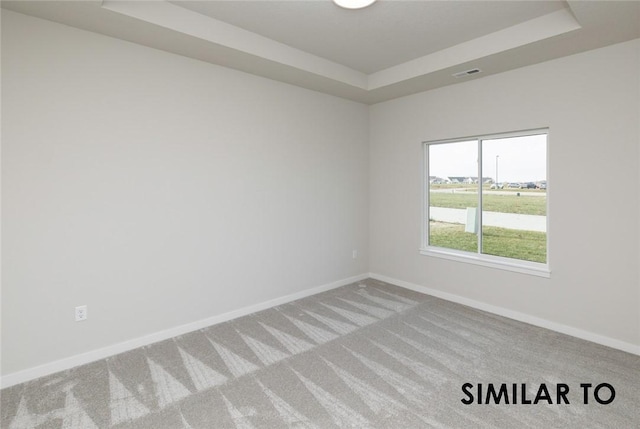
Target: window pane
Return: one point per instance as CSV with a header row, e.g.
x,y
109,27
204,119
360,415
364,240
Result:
x,y
453,195
514,197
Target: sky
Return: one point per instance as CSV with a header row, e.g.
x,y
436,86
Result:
x,y
519,159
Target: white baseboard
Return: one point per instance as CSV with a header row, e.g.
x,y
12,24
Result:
x,y
94,355
515,315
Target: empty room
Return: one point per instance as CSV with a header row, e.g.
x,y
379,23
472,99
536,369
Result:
x,y
320,214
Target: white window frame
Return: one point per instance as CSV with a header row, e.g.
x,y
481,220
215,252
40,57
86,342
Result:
x,y
478,258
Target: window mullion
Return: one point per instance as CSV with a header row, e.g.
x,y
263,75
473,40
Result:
x,y
479,211
426,224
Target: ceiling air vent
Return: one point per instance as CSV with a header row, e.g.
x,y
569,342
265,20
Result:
x,y
467,73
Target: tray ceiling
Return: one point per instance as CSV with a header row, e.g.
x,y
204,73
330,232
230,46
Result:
x,y
391,49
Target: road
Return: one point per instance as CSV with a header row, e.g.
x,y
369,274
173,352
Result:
x,y
522,192
502,220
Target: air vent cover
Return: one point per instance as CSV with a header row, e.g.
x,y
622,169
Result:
x,y
467,73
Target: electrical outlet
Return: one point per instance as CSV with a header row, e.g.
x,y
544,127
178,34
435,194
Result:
x,y
354,254
81,313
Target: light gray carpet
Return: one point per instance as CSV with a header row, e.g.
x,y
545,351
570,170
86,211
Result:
x,y
367,355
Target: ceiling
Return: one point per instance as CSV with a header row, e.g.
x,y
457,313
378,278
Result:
x,y
375,38
391,49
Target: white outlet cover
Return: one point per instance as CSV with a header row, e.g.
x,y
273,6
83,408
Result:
x,y
81,313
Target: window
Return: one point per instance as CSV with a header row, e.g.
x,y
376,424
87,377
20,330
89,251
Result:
x,y
485,201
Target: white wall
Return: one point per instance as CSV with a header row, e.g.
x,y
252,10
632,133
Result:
x,y
160,190
591,103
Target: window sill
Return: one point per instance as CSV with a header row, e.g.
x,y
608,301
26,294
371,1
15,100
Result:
x,y
523,267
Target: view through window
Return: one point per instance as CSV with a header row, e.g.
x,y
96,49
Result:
x,y
488,195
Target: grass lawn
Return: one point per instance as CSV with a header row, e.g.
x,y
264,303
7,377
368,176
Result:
x,y
509,243
493,203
